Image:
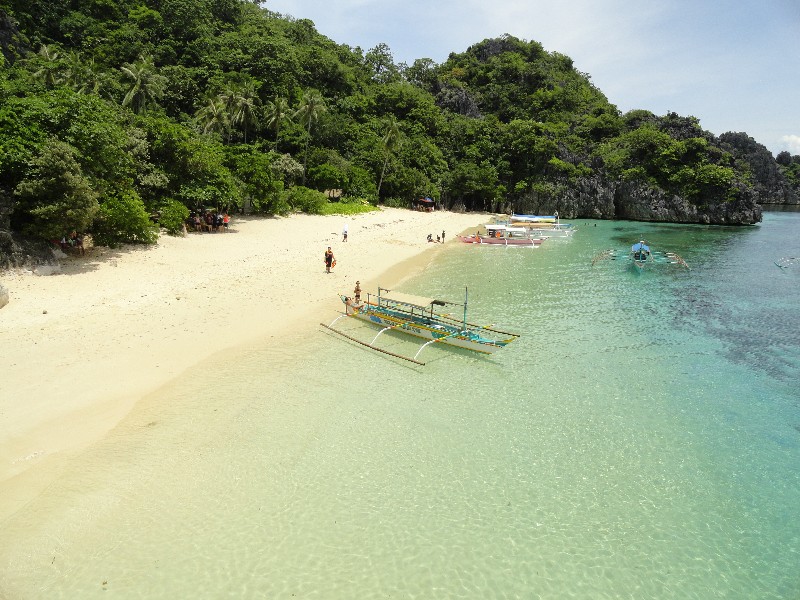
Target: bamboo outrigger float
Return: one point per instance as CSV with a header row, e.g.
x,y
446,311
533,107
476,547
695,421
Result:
x,y
416,315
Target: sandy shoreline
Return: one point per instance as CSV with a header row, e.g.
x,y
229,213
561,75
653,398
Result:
x,y
82,346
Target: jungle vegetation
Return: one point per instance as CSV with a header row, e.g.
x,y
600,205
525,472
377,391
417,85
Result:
x,y
111,110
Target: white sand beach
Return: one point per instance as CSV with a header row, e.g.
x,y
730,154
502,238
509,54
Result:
x,y
81,346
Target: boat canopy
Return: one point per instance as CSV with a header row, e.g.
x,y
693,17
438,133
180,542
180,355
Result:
x,y
535,218
410,299
640,246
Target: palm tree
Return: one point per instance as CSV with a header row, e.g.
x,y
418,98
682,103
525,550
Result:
x,y
275,113
213,116
391,141
48,72
244,112
84,76
147,85
312,105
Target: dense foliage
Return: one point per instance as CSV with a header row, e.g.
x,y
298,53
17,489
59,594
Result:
x,y
113,109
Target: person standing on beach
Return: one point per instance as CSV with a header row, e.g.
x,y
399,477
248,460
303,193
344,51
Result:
x,y
443,236
344,233
329,260
357,292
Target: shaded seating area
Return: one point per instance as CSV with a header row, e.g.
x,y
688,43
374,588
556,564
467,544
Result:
x,y
423,204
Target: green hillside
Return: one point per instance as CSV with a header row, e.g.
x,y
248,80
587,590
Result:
x,y
111,110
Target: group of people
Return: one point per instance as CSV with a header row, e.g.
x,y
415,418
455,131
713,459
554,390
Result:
x,y
73,241
439,239
208,221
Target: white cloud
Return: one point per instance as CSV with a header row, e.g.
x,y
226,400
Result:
x,y
791,143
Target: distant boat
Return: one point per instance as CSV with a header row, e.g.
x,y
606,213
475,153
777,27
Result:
x,y
418,316
640,257
504,235
787,261
534,218
542,225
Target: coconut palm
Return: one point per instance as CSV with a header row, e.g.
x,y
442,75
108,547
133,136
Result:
x,y
312,105
147,86
239,102
243,107
213,117
390,142
84,76
49,69
275,113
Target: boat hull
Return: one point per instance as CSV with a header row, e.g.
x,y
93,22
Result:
x,y
479,239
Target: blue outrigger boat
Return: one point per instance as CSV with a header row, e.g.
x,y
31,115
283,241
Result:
x,y
641,256
418,316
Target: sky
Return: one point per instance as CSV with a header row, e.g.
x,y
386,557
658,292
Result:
x,y
733,64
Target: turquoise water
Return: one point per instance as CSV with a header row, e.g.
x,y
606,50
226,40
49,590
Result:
x,y
640,440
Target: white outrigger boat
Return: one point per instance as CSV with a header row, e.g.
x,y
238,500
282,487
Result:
x,y
504,235
542,226
417,316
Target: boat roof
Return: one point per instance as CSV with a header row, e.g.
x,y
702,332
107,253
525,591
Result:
x,y
533,218
410,299
640,246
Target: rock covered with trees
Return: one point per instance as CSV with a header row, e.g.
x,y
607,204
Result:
x,y
112,111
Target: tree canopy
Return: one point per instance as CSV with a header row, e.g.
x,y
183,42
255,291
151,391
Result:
x,y
224,103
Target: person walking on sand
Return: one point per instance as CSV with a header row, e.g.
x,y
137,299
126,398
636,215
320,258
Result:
x,y
344,233
443,236
357,292
329,260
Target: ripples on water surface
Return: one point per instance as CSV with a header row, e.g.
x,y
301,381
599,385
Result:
x,y
639,440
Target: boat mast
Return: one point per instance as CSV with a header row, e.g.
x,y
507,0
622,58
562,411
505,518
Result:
x,y
466,293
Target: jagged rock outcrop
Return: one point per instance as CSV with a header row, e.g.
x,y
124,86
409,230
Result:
x,y
16,252
596,197
637,201
769,183
12,43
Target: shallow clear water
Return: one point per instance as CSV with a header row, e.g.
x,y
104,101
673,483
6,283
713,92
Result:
x,y
640,440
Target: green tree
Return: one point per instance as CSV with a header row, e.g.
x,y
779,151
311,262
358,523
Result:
x,y
55,195
240,103
147,86
173,215
275,113
213,117
287,169
312,105
380,62
390,141
122,218
49,66
84,76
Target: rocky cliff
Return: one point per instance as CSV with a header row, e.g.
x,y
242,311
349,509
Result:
x,y
769,184
597,197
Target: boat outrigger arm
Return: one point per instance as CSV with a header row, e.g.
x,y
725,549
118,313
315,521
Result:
x,y
371,344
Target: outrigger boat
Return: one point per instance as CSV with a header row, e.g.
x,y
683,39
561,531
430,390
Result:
x,y
542,226
504,235
417,316
787,261
641,256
